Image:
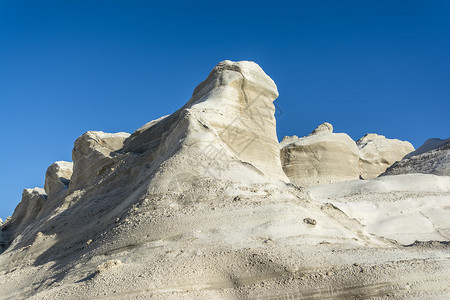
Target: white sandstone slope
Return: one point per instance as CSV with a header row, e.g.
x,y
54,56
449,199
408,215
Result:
x,y
321,157
433,157
195,205
377,153
405,208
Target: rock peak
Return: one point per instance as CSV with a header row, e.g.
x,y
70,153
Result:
x,y
323,128
370,137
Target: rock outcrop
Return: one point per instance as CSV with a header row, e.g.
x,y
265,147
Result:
x,y
57,178
321,157
326,157
377,153
196,205
230,115
92,156
433,157
28,211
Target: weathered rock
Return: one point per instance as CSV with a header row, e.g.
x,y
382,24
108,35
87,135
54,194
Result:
x,y
321,157
26,213
230,114
92,155
377,153
433,157
57,178
323,128
193,205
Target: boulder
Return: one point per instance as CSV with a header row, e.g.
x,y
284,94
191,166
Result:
x,y
377,153
321,157
57,178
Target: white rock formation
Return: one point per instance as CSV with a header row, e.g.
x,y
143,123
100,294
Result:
x,y
377,153
92,155
321,157
57,178
29,210
195,205
230,114
433,157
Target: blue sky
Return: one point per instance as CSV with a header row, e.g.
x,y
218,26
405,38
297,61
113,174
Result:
x,y
67,67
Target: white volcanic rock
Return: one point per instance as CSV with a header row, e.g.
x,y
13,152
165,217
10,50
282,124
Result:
x,y
377,153
92,155
321,157
25,214
194,206
230,115
433,157
57,178
323,128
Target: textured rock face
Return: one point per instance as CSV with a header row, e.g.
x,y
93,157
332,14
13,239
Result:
x,y
321,157
433,157
57,178
29,210
92,155
377,153
325,157
230,114
323,128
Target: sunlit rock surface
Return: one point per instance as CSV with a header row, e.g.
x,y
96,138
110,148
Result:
x,y
377,153
321,157
195,205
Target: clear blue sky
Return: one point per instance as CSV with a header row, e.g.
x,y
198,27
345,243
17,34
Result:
x,y
67,67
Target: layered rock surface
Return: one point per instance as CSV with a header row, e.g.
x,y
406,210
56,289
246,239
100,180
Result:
x,y
377,153
57,178
93,156
230,114
326,157
321,157
29,211
433,157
